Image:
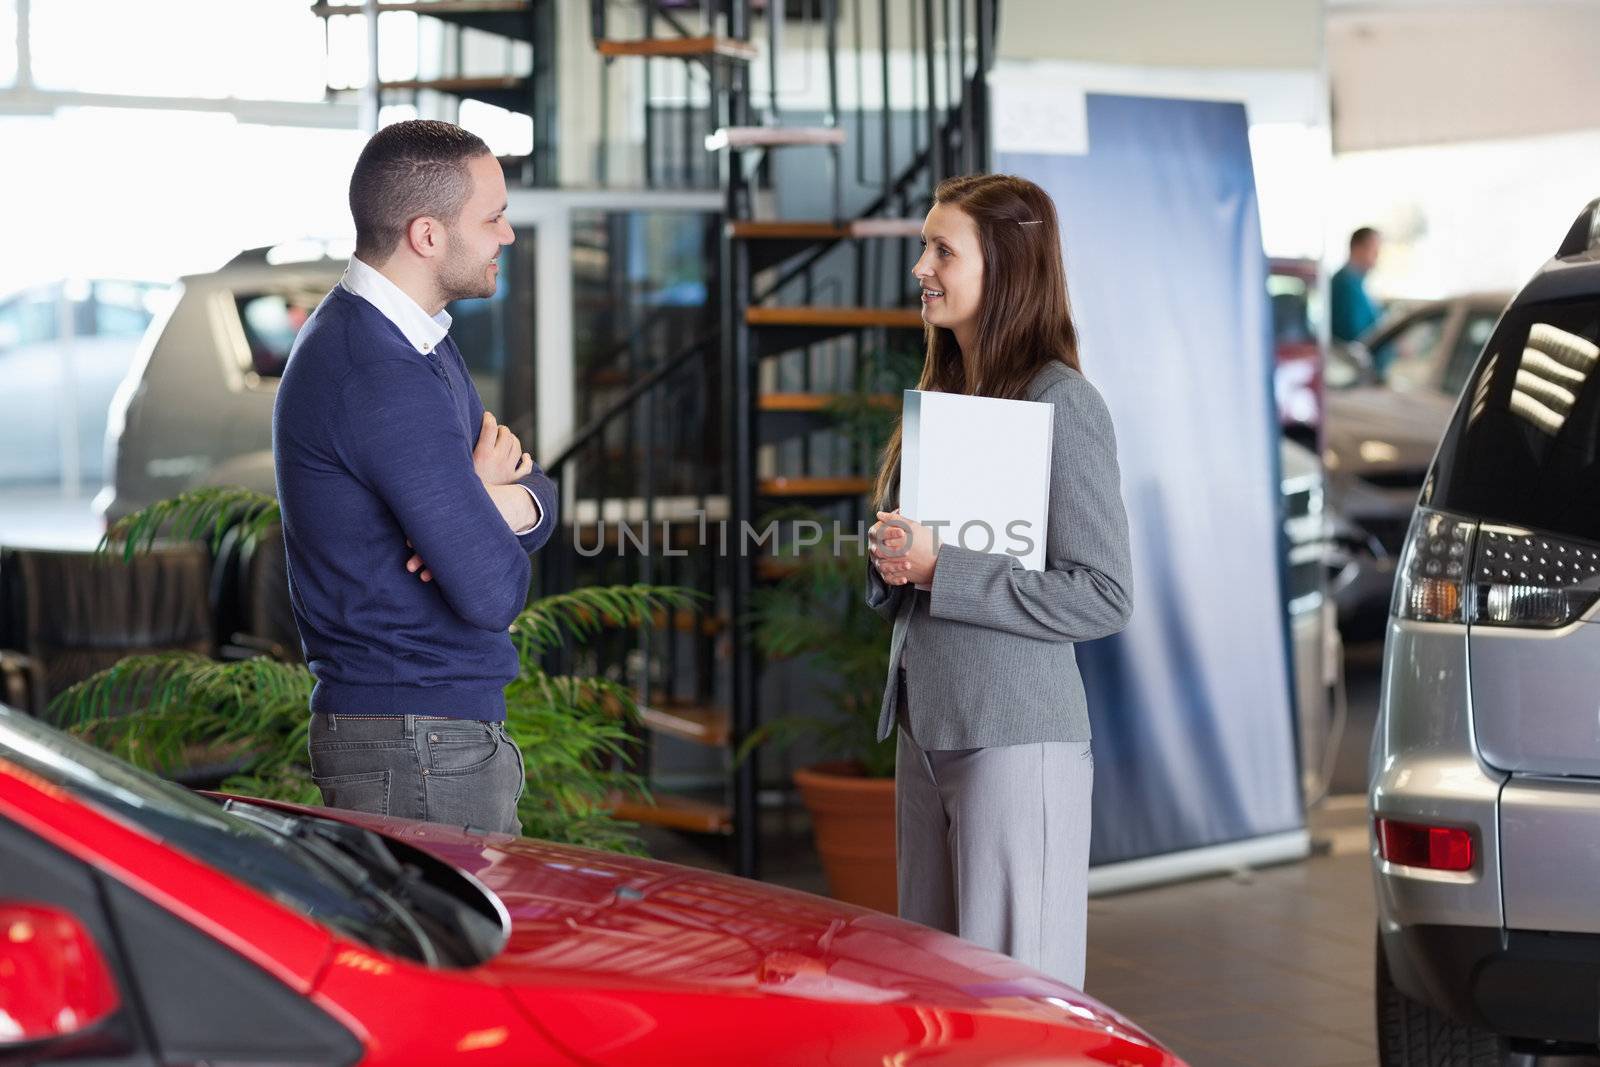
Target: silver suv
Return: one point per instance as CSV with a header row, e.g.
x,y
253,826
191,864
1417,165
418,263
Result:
x,y
1485,774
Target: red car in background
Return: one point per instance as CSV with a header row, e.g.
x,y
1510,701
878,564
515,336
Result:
x,y
144,924
1294,291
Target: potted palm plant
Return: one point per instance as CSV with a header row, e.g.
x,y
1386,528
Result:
x,y
572,729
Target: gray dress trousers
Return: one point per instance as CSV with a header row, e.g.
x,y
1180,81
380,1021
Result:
x,y
993,768
994,846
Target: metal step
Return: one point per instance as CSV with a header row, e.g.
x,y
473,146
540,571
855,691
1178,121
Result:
x,y
768,242
702,724
784,416
681,48
507,18
675,812
801,403
737,137
504,91
814,487
783,329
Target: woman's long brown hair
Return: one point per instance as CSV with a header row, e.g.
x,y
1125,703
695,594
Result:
x,y
1024,320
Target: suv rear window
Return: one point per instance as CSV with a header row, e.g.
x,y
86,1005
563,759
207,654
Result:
x,y
1524,445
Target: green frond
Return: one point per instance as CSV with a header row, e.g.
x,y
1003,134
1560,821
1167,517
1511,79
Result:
x,y
256,690
572,732
198,514
582,613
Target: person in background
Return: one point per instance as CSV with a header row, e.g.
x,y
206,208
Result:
x,y
409,512
1353,311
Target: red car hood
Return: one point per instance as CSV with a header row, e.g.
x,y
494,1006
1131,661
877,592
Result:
x,y
587,925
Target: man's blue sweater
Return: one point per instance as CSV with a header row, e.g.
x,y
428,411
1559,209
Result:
x,y
373,443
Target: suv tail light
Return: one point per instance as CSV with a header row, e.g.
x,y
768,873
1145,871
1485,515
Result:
x,y
1434,583
1439,848
1532,579
1456,570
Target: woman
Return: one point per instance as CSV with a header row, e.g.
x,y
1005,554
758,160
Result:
x,y
993,766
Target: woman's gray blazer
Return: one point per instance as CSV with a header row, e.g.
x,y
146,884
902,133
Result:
x,y
988,652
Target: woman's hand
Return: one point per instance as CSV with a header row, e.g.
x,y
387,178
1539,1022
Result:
x,y
902,549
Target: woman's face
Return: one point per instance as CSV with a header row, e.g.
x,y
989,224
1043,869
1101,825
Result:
x,y
950,270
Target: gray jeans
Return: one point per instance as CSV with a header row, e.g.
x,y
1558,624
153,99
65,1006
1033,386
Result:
x,y
456,771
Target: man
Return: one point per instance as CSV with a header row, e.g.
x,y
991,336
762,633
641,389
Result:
x,y
1352,309
409,513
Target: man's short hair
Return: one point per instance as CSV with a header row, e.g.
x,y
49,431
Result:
x,y
406,171
1362,236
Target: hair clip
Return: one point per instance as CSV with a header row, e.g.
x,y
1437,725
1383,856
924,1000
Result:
x,y
1030,222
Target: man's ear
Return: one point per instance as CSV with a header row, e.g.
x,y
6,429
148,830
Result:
x,y
424,235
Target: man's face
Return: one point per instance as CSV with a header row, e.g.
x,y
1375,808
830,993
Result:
x,y
470,268
1365,253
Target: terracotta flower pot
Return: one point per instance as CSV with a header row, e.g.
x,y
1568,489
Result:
x,y
852,818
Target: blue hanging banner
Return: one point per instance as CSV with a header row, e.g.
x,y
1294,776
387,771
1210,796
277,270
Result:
x,y
1191,706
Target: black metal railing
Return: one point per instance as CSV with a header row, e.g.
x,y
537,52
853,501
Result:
x,y
676,447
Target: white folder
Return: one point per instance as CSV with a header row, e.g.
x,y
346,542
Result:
x,y
982,467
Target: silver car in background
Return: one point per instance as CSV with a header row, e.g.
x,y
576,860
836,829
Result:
x,y
63,349
196,406
1485,769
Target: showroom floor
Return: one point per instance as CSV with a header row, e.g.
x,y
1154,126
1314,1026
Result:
x,y
1267,968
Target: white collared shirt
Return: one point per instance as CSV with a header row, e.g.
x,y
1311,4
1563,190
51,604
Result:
x,y
424,331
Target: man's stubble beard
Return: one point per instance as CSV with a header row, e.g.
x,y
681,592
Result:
x,y
462,280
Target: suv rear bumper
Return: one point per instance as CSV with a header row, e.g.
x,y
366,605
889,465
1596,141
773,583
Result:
x,y
1518,983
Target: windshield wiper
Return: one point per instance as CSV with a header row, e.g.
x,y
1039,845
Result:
x,y
466,928
299,833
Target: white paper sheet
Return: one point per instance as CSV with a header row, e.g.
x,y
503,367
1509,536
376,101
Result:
x,y
981,466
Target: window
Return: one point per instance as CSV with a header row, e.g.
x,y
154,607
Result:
x,y
1291,320
271,321
1474,335
1407,358
110,309
1524,446
643,288
173,48
98,309
641,291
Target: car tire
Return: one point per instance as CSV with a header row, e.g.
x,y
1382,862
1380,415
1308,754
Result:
x,y
1412,1034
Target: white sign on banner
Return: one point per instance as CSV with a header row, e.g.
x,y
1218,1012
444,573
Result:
x,y
980,467
1039,117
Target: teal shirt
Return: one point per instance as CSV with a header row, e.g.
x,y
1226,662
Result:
x,y
1353,311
